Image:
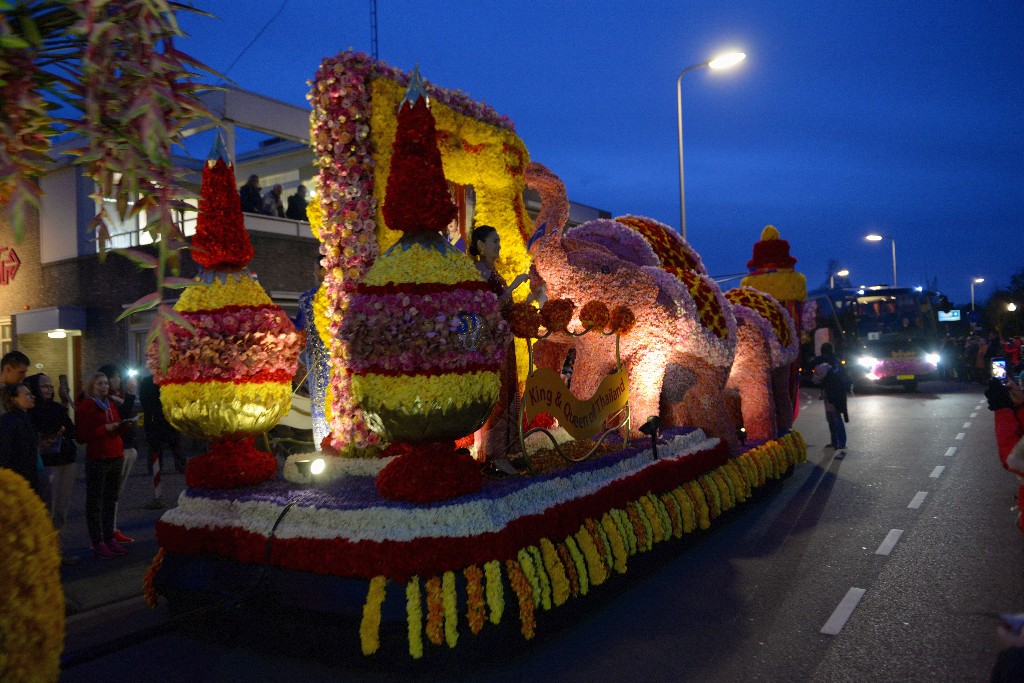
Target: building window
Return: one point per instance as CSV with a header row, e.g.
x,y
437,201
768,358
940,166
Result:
x,y
6,335
131,232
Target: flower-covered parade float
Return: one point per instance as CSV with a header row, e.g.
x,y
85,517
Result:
x,y
396,538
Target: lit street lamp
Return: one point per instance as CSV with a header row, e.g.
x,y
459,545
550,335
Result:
x,y
832,277
878,238
975,281
1011,307
722,62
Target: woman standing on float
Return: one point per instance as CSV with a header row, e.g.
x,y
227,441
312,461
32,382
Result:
x,y
498,439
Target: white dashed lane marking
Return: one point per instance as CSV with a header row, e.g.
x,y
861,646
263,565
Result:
x,y
890,542
951,451
918,498
974,415
960,436
937,471
967,425
842,612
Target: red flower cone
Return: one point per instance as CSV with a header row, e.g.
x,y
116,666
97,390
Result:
x,y
220,242
417,198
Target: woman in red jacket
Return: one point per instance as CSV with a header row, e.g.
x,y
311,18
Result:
x,y
99,426
1007,402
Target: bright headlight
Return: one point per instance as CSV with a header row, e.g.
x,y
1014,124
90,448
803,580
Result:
x,y
867,361
932,358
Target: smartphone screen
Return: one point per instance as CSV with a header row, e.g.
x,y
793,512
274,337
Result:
x,y
999,368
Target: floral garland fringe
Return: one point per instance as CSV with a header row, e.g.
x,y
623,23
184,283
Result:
x,y
546,575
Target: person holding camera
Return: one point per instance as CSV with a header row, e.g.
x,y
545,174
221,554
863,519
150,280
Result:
x,y
1006,400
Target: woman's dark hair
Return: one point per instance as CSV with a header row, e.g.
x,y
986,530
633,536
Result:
x,y
9,394
480,233
32,382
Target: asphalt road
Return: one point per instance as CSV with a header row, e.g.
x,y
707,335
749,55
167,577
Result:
x,y
750,600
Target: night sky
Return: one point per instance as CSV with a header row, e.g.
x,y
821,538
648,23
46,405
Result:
x,y
899,117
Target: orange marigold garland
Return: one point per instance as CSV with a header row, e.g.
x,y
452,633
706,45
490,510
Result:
x,y
555,571
524,593
570,568
595,315
147,582
476,615
435,611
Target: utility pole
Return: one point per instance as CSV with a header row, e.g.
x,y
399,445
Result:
x,y
373,28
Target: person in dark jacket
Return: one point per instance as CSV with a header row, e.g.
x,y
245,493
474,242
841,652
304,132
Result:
x,y
251,195
297,204
835,384
55,429
99,428
19,448
158,430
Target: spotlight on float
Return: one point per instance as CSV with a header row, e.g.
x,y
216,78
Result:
x,y
318,466
651,428
305,467
741,434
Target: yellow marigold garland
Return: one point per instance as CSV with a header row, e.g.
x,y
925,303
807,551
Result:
x,y
31,596
235,290
369,628
495,591
580,563
451,609
648,528
524,593
711,495
421,264
619,554
530,572
700,504
724,491
542,576
435,611
403,391
555,571
654,519
663,516
595,567
148,591
414,617
475,613
625,525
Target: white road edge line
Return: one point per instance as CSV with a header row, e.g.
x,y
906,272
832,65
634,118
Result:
x,y
967,425
951,451
842,612
960,436
937,471
918,498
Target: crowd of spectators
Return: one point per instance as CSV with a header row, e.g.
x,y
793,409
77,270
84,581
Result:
x,y
253,200
969,359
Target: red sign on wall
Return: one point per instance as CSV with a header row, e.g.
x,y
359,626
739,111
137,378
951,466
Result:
x,y
9,263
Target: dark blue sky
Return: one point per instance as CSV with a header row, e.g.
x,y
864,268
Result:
x,y
892,116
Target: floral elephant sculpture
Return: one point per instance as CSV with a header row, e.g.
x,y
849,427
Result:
x,y
766,346
679,353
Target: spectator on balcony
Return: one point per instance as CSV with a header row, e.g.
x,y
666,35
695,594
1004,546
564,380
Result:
x,y
272,204
251,195
297,204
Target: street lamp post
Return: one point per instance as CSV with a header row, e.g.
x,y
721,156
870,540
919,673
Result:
x,y
975,281
832,277
879,238
723,62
